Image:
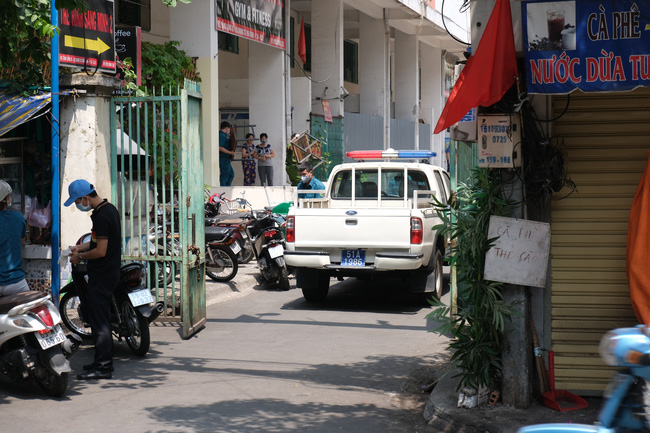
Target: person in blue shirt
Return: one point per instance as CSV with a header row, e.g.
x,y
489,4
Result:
x,y
13,230
308,181
226,173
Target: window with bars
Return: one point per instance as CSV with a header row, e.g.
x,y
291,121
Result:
x,y
133,13
228,42
351,61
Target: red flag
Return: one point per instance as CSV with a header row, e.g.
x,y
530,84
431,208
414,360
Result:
x,y
488,74
302,47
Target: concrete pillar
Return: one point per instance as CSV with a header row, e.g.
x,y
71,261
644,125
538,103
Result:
x,y
267,102
85,145
432,96
200,40
327,54
372,66
374,83
406,81
406,77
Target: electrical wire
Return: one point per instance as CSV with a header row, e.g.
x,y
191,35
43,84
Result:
x,y
463,8
559,116
334,62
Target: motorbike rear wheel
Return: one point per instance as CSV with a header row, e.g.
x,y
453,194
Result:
x,y
284,280
69,309
225,262
53,384
139,339
246,254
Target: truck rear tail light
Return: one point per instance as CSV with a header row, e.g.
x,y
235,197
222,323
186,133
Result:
x,y
291,229
416,230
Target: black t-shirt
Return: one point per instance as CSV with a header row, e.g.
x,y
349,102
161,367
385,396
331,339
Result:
x,y
106,224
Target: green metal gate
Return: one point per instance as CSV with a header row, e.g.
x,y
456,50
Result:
x,y
157,184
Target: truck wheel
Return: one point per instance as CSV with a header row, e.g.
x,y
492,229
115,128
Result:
x,y
314,284
426,282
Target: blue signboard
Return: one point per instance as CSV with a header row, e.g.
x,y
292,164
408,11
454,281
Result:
x,y
585,44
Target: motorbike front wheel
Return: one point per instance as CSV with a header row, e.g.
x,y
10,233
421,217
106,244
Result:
x,y
70,311
223,262
138,338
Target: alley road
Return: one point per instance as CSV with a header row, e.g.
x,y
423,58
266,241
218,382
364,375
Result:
x,y
266,362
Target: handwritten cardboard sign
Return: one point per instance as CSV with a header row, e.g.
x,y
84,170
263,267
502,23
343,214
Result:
x,y
520,255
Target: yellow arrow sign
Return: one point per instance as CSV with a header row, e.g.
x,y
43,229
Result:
x,y
86,44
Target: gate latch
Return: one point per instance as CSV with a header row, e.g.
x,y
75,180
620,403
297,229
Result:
x,y
193,249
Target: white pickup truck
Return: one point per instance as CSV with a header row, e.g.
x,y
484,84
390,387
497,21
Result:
x,y
374,220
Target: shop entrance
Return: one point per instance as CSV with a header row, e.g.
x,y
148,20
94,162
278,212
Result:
x,y
157,184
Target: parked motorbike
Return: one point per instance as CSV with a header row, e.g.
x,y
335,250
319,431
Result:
x,y
33,345
268,245
237,223
623,411
162,242
221,248
131,311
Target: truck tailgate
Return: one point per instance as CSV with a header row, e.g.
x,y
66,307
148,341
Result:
x,y
324,229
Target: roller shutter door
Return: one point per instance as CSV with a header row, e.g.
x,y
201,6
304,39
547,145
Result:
x,y
606,140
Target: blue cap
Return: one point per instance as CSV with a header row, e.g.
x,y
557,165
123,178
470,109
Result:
x,y
78,189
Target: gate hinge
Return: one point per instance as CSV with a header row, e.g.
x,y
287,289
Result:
x,y
187,201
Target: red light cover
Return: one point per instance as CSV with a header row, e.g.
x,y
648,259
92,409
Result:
x,y
365,154
44,315
416,231
270,233
291,229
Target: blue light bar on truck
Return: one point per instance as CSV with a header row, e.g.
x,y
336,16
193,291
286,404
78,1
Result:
x,y
390,154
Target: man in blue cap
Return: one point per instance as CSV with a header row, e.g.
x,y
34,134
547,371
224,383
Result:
x,y
103,254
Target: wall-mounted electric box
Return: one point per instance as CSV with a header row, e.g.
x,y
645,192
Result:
x,y
499,140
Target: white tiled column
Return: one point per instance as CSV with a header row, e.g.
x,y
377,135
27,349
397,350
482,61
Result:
x,y
406,78
200,40
374,84
327,54
432,96
267,101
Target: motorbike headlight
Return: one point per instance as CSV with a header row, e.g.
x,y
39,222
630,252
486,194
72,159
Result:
x,y
606,348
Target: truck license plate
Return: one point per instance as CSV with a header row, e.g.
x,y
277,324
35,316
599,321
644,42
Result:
x,y
141,297
51,338
353,258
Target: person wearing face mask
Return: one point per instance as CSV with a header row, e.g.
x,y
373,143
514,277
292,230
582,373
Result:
x,y
308,181
264,160
103,254
13,230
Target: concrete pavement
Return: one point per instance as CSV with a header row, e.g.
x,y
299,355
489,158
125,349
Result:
x,y
265,362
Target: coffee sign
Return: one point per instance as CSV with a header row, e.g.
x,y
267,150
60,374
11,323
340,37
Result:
x,y
586,45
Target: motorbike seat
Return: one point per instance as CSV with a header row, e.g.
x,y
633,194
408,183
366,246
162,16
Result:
x,y
216,233
10,301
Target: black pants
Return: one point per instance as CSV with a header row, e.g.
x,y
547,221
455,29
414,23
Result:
x,y
97,312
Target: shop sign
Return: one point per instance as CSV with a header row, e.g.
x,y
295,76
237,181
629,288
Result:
x,y
128,41
327,112
257,20
87,40
587,45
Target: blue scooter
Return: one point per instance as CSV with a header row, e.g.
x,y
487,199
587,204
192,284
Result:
x,y
628,348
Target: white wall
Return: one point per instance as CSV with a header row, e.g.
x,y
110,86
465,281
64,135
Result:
x,y
267,102
301,103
